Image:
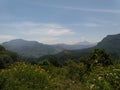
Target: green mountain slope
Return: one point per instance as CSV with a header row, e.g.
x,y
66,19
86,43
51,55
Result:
x,y
110,43
6,57
33,49
30,48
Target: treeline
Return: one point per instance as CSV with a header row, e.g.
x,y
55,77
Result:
x,y
97,71
97,56
7,57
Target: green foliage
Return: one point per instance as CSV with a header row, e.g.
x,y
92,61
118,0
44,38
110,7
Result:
x,y
30,49
7,57
111,43
1,48
94,72
100,56
103,78
23,76
55,62
75,70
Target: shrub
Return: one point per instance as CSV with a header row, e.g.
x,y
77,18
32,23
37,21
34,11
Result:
x,y
23,76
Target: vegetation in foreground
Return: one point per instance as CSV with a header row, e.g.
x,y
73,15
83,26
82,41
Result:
x,y
97,73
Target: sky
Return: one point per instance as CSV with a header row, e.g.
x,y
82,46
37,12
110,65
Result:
x,y
59,21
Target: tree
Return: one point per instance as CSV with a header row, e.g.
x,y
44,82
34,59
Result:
x,y
7,57
100,56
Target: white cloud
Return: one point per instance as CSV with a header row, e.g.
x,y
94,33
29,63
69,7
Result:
x,y
56,40
49,32
88,24
93,10
48,40
60,32
6,38
31,28
92,25
44,29
42,32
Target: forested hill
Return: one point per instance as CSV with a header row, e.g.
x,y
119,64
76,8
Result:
x,y
29,49
34,49
7,57
110,43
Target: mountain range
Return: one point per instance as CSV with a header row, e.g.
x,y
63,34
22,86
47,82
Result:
x,y
110,43
80,45
34,49
30,48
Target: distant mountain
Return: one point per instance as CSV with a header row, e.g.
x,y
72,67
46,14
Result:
x,y
80,45
110,43
35,49
30,48
86,43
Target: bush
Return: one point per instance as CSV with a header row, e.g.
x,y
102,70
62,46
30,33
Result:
x,y
103,78
99,56
23,76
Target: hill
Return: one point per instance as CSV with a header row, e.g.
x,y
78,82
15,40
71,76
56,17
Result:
x,y
80,45
6,57
110,43
34,49
30,48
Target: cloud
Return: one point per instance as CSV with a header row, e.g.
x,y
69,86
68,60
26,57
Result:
x,y
42,32
88,24
56,40
6,38
44,29
92,25
48,40
92,10
31,28
49,32
54,32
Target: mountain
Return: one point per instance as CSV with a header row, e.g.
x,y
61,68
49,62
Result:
x,y
34,49
85,43
110,43
80,45
30,48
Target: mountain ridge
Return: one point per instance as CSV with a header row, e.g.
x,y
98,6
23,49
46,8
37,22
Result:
x,y
35,49
29,48
111,43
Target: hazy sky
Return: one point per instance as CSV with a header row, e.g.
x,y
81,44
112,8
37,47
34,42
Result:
x,y
59,21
